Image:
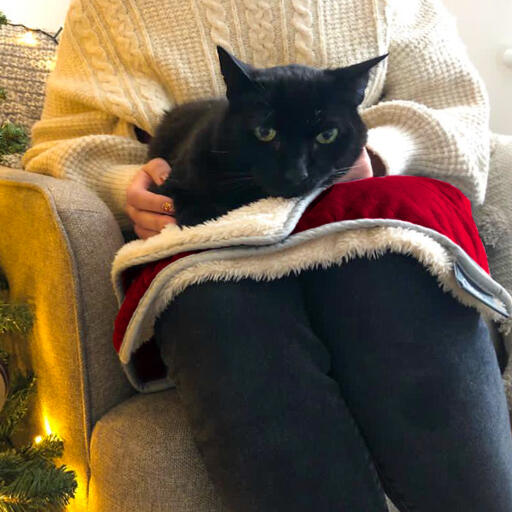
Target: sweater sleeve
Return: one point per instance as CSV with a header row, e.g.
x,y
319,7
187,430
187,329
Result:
x,y
433,116
86,132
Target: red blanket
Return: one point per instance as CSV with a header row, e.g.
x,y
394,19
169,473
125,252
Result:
x,y
399,202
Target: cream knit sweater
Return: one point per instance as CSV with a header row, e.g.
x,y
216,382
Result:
x,y
121,63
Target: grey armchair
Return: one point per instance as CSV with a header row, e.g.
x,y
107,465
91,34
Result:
x,y
132,452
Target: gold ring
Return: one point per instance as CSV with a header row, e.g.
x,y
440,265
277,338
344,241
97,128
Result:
x,y
167,207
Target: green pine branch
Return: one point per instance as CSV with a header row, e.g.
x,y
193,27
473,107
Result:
x,y
16,405
34,485
11,464
15,317
3,18
13,139
29,479
50,447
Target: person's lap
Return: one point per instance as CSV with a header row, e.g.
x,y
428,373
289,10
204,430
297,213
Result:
x,y
416,368
420,375
269,422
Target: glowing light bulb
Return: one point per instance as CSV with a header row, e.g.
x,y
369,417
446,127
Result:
x,y
28,39
38,439
47,427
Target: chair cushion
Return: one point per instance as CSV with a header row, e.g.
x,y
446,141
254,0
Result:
x,y
143,459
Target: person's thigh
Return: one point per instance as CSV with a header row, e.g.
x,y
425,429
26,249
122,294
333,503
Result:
x,y
420,375
269,422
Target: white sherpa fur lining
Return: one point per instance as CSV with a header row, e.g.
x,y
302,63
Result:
x,y
254,241
305,250
262,222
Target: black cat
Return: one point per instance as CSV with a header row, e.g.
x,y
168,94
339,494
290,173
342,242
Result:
x,y
282,131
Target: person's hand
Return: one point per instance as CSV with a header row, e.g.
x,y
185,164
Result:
x,y
149,212
361,169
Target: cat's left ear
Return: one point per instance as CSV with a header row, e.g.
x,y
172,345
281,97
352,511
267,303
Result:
x,y
235,73
354,79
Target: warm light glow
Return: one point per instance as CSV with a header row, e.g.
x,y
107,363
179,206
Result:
x,y
28,38
38,439
50,64
47,426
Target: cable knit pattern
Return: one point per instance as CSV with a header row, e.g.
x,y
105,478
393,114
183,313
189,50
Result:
x,y
322,50
302,21
119,63
115,99
215,14
376,86
261,32
432,114
141,78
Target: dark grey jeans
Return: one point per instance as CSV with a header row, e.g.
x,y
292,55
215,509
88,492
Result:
x,y
319,392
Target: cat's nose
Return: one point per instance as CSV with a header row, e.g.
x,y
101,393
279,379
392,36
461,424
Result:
x,y
296,175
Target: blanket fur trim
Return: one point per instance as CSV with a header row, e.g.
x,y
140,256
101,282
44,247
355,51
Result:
x,y
274,237
262,222
322,247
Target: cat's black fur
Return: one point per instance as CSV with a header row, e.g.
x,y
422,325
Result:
x,y
219,164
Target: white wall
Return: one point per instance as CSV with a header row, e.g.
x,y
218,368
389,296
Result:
x,y
485,26
45,14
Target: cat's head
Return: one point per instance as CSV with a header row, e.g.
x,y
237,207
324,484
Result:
x,y
294,128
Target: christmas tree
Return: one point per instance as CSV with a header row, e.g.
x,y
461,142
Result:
x,y
29,479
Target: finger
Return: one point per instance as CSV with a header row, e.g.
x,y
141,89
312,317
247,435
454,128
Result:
x,y
149,220
143,232
361,169
158,169
358,172
142,179
363,157
142,199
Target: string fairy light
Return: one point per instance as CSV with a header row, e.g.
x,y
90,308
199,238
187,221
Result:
x,y
28,37
47,427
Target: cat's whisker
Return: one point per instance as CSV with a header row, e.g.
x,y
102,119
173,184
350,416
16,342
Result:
x,y
235,177
349,168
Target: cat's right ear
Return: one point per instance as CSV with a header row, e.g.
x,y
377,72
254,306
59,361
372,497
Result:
x,y
236,74
354,79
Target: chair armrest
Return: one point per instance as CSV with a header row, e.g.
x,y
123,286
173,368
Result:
x,y
57,243
494,221
494,217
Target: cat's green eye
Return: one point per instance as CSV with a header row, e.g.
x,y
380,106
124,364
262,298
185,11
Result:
x,y
265,134
327,136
